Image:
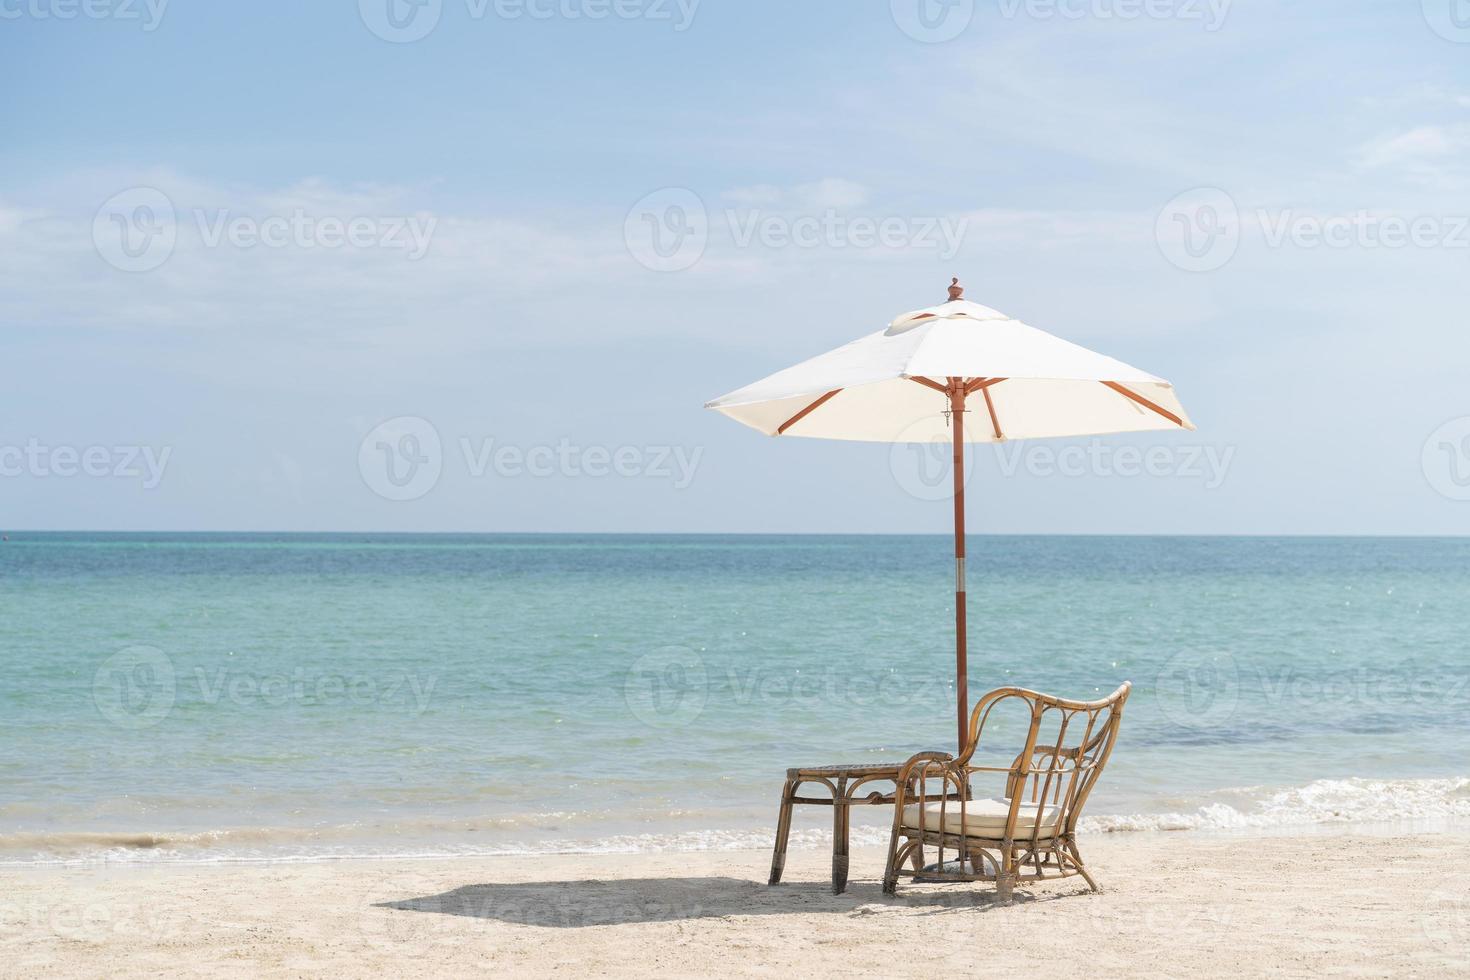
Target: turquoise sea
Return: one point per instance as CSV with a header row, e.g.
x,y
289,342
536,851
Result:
x,y
273,696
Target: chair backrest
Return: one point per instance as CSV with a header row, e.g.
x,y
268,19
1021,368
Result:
x,y
1067,744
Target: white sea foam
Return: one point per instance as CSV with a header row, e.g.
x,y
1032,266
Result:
x,y
1325,802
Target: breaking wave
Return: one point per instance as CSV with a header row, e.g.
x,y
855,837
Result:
x,y
1424,803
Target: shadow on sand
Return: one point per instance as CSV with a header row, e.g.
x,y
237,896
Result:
x,y
577,904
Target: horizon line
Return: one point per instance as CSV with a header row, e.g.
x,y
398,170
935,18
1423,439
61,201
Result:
x,y
766,534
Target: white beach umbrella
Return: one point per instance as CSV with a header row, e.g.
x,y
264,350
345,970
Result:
x,y
913,381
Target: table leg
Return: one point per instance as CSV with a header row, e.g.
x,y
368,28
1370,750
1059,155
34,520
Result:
x,y
840,818
783,831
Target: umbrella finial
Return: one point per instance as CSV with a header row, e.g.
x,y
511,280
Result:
x,y
956,291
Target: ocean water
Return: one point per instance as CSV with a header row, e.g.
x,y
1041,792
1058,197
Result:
x,y
292,697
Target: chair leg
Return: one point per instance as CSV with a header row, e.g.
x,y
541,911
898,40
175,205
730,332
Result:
x,y
1081,868
1005,888
890,870
783,831
1005,875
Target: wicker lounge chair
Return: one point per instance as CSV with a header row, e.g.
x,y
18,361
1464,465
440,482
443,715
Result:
x,y
1027,831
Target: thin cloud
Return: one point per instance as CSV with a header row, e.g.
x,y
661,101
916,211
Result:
x,y
1432,154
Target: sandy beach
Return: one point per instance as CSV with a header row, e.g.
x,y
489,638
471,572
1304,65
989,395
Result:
x,y
1172,904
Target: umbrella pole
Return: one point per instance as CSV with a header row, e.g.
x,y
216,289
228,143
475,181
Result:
x,y
961,681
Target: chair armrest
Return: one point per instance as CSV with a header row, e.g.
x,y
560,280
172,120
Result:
x,y
906,773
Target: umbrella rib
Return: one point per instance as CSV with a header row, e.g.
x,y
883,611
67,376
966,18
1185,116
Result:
x,y
927,383
980,384
990,407
1135,397
805,412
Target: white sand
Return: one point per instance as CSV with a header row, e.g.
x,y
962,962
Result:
x,y
1173,904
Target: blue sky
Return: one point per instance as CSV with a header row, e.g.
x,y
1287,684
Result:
x,y
500,170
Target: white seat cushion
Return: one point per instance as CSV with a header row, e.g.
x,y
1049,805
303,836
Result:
x,y
982,818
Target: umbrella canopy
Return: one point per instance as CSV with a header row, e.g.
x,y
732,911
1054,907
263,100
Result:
x,y
1034,384
912,382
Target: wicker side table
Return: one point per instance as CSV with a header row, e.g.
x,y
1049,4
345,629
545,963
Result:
x,y
843,783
